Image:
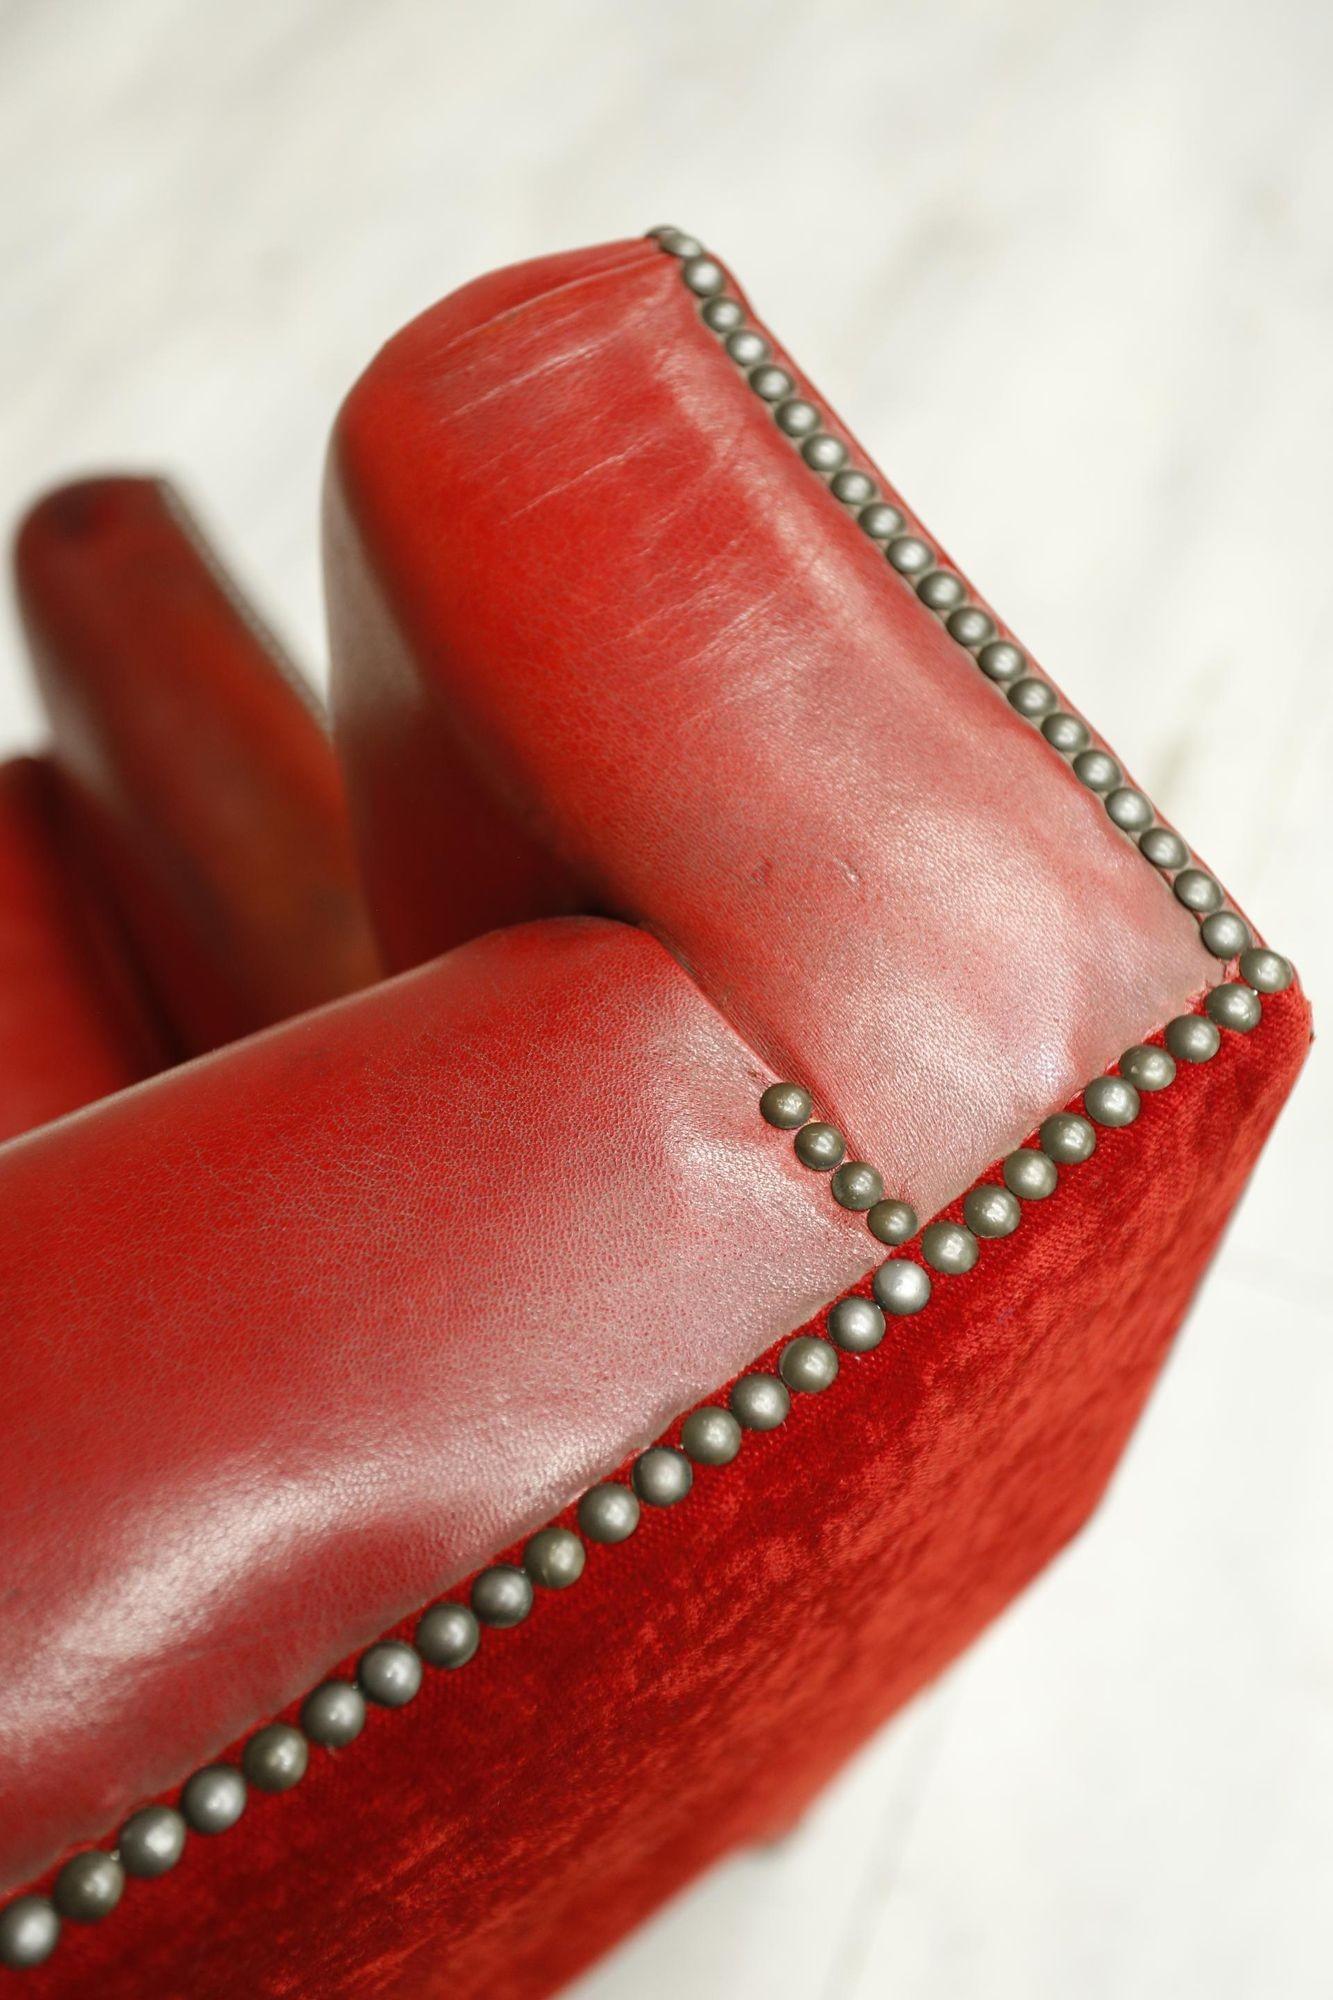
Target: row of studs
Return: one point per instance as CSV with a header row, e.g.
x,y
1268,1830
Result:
x,y
856,1184
1225,933
1029,1173
390,1673
1066,1138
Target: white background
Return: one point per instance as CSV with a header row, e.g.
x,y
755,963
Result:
x,y
1067,270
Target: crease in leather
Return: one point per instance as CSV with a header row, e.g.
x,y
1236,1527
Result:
x,y
635,254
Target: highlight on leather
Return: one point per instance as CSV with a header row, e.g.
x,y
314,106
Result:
x,y
387,1285
202,790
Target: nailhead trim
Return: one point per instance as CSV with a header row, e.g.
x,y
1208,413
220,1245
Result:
x,y
449,1633
973,629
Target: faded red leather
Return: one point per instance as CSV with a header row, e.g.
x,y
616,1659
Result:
x,y
207,799
75,1023
313,1325
588,603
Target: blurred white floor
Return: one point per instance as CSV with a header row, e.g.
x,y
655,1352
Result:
x,y
1069,272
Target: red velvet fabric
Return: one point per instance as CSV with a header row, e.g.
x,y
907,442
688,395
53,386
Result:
x,y
702,1681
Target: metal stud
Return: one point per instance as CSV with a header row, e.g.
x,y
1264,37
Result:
x,y
770,382
901,1287
710,1436
909,555
1196,890
991,1211
856,1325
893,1222
746,347
786,1105
1266,971
554,1558
1064,733
1129,810
676,243
213,1799
448,1635
808,1364
1236,1007
152,1840
29,1933
273,1760
820,1147
389,1674
1224,934
797,417
1096,770
970,626
334,1715
941,590
703,275
823,453
879,520
853,487
609,1513
1147,1067
759,1402
89,1886
722,315
1001,661
1192,1038
1111,1100
662,1475
1029,1174
501,1596
856,1185
949,1247
1163,848
1032,698
1067,1139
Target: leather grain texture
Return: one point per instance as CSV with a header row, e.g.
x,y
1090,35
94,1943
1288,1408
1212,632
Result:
x,y
590,609
703,1681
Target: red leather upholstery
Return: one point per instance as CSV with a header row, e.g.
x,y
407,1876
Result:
x,y
587,601
205,794
74,1021
379,1289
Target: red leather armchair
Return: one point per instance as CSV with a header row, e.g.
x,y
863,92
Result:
x,y
484,1447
